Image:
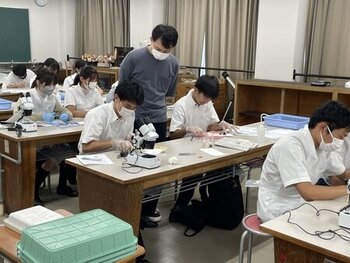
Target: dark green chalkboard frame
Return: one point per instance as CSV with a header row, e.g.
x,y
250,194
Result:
x,y
14,35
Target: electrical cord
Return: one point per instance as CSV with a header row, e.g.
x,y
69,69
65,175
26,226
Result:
x,y
325,235
125,167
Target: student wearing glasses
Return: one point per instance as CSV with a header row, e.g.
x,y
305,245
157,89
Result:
x,y
296,162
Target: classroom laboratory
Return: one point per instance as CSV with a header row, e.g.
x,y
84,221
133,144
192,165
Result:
x,y
172,131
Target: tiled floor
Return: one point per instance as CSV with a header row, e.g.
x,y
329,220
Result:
x,y
168,244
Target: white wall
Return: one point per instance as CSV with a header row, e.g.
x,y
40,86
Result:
x,y
51,27
281,30
144,16
279,42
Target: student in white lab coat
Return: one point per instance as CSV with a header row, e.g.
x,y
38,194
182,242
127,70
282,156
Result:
x,y
110,125
69,81
194,115
84,95
296,162
19,77
47,108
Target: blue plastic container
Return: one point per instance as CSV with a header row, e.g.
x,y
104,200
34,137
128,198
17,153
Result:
x,y
5,104
286,121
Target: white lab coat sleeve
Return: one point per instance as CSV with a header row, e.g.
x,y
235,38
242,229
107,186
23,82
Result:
x,y
178,118
291,162
69,98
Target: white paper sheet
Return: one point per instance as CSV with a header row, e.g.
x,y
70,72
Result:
x,y
87,159
212,151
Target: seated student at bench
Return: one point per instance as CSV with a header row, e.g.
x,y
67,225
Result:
x,y
19,77
110,125
296,162
69,81
83,95
47,107
194,115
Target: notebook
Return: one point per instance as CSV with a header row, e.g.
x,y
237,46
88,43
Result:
x,y
236,144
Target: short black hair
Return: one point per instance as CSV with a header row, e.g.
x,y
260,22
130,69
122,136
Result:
x,y
130,90
86,72
167,34
52,64
19,70
45,76
334,113
208,85
79,64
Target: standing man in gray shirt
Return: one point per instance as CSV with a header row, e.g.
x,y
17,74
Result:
x,y
156,70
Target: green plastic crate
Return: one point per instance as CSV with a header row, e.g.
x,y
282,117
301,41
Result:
x,y
93,236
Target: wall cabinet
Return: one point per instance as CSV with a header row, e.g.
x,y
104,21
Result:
x,y
253,97
183,88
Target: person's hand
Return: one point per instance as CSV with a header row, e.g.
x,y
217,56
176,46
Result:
x,y
122,145
195,131
64,117
20,84
227,126
48,116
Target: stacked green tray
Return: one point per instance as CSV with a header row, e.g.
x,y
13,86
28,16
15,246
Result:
x,y
93,236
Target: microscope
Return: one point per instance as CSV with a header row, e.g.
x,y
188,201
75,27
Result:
x,y
25,109
145,138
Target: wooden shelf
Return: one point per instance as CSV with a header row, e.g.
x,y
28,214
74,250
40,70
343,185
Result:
x,y
281,97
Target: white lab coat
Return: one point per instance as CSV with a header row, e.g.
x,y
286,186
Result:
x,y
83,100
13,79
102,124
293,159
188,113
69,81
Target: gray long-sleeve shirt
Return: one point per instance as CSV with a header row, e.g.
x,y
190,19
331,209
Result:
x,y
157,77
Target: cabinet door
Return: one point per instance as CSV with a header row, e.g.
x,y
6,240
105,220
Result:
x,y
182,89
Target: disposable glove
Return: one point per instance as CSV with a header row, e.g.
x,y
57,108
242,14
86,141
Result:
x,y
195,131
64,117
122,145
48,116
227,126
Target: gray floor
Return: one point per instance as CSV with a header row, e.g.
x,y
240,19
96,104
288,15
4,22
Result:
x,y
168,244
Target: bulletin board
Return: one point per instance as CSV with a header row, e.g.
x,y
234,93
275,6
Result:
x,y
14,35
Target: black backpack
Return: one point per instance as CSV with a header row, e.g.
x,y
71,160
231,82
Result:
x,y
193,216
225,203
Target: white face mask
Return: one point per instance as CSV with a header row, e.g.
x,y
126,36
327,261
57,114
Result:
x,y
126,113
48,90
336,144
92,85
159,55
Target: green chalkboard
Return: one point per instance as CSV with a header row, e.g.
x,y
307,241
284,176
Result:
x,y
14,35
